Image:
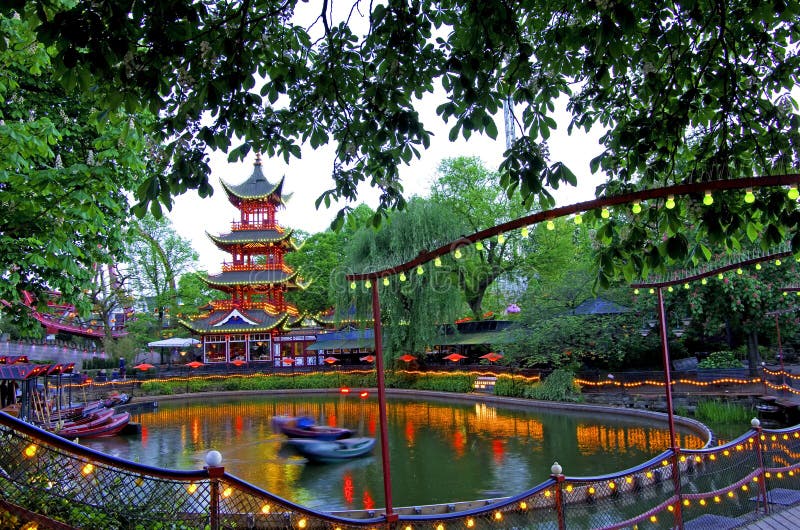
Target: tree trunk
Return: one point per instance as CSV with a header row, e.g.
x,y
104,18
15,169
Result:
x,y
752,353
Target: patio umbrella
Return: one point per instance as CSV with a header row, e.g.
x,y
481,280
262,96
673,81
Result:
x,y
238,362
368,358
455,357
194,364
492,356
287,360
407,358
144,366
330,360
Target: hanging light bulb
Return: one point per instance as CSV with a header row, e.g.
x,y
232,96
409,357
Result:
x,y
402,276
478,245
604,213
720,276
708,199
368,284
578,219
670,204
551,225
703,281
501,238
778,263
739,271
758,266
636,291
685,285
420,270
652,291
457,253
637,207
525,232
352,285
437,262
669,289
386,282
749,198
793,194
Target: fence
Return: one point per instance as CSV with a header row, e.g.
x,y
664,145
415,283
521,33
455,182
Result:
x,y
59,484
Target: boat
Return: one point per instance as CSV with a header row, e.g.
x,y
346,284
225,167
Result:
x,y
97,417
326,451
110,426
305,427
115,399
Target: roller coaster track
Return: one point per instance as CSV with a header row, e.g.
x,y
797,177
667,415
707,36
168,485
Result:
x,y
63,317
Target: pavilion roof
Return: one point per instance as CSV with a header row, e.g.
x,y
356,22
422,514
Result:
x,y
252,277
256,187
249,237
225,321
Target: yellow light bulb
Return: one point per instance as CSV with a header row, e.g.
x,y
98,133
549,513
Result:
x,y
457,253
352,285
708,199
720,276
368,284
501,238
402,276
670,204
669,289
703,281
578,219
437,262
685,285
749,198
420,270
652,291
386,281
636,291
637,207
778,263
739,271
551,225
478,246
604,213
758,266
525,232
793,194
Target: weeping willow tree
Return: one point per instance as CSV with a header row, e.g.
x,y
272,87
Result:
x,y
412,311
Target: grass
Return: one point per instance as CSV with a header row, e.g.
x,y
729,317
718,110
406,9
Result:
x,y
723,412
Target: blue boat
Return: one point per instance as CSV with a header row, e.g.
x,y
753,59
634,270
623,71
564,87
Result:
x,y
325,451
305,427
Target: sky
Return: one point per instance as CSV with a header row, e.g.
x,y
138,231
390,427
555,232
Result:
x,y
307,177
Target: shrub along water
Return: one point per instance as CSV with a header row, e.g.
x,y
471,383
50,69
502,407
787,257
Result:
x,y
721,412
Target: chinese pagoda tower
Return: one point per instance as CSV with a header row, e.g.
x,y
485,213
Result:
x,y
247,326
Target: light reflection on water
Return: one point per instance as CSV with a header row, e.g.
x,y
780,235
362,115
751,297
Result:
x,y
440,451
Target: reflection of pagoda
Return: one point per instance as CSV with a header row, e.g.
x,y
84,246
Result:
x,y
247,326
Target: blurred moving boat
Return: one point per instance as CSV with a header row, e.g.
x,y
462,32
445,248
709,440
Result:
x,y
306,428
326,451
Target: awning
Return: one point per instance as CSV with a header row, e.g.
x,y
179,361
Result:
x,y
342,344
174,342
21,372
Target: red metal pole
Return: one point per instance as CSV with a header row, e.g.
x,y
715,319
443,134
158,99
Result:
x,y
387,479
780,353
676,478
762,479
214,474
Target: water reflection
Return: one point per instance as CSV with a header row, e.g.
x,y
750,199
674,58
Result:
x,y
440,451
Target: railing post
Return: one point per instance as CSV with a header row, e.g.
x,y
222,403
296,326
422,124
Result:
x,y
556,475
215,472
762,479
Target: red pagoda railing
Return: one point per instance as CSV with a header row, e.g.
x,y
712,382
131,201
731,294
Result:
x,y
231,267
246,225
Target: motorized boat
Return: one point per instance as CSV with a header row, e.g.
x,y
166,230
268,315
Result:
x,y
305,427
115,399
109,426
326,451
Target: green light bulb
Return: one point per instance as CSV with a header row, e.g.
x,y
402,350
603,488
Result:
x,y
708,200
386,281
749,198
368,284
670,204
578,219
525,232
420,270
637,207
457,253
604,213
352,285
501,238
402,276
437,262
793,194
551,225
478,246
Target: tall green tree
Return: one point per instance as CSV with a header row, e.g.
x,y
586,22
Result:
x,y
67,164
473,196
413,310
157,257
686,91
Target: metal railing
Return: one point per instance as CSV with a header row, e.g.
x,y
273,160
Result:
x,y
61,484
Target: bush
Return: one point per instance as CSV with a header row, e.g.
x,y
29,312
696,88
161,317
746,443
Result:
x,y
559,386
720,359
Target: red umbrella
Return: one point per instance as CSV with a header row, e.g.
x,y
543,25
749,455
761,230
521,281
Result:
x,y
144,366
492,356
368,358
330,360
194,364
238,362
407,358
455,357
287,360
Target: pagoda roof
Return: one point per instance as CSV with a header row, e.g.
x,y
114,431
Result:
x,y
251,277
252,236
236,321
256,187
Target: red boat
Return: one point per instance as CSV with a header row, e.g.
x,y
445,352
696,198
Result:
x,y
304,427
108,427
93,418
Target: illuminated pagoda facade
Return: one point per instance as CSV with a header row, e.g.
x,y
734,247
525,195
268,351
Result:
x,y
255,322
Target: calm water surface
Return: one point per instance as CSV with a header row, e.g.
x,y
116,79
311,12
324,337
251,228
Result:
x,y
440,451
